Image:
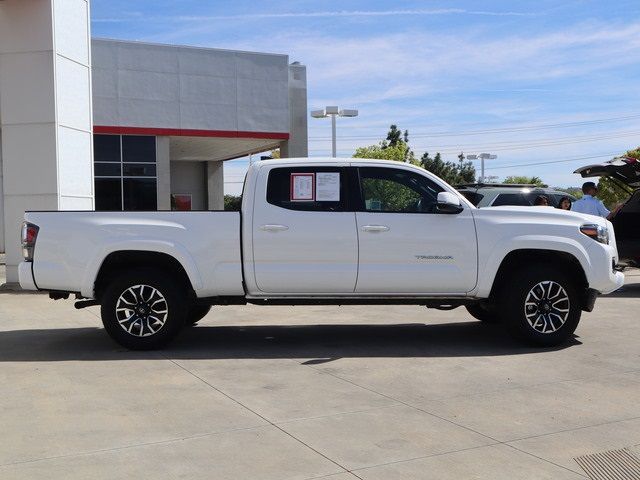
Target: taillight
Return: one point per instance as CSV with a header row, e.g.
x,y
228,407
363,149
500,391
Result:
x,y
28,239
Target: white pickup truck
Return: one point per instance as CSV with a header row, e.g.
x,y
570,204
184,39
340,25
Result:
x,y
326,231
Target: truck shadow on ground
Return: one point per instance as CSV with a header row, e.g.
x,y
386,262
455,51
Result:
x,y
628,291
313,343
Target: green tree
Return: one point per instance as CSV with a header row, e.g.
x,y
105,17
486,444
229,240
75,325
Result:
x,y
394,147
611,193
575,191
394,136
451,172
399,152
232,202
524,180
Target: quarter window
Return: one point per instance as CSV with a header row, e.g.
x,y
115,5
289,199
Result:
x,y
397,190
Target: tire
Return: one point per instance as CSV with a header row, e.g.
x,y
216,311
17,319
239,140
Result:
x,y
483,312
541,305
143,308
196,313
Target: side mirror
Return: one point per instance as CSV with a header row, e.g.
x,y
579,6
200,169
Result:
x,y
447,202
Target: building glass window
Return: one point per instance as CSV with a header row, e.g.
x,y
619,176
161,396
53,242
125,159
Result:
x,y
106,148
138,148
108,194
125,172
139,194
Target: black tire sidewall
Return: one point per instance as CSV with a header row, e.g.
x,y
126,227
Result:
x,y
174,295
512,300
196,313
483,312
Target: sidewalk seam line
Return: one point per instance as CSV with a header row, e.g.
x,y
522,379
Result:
x,y
498,442
263,417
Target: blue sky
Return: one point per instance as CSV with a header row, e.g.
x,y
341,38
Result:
x,y
533,82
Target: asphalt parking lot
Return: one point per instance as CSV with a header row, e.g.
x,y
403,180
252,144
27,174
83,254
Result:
x,y
314,392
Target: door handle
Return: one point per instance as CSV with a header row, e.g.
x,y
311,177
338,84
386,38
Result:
x,y
375,228
274,228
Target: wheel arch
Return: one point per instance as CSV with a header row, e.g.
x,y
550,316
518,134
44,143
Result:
x,y
117,261
530,256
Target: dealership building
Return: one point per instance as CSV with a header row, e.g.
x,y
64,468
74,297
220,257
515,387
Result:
x,y
112,125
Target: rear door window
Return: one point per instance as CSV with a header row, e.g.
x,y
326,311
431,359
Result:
x,y
311,189
511,199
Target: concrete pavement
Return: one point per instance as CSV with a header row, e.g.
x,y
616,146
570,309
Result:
x,y
394,392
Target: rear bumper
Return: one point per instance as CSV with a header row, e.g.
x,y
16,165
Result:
x,y
25,276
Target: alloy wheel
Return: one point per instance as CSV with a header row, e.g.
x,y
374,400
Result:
x,y
141,310
547,307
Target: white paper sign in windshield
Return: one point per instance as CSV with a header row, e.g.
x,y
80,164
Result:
x,y
302,187
328,187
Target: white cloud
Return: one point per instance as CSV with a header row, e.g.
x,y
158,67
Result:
x,y
324,14
357,13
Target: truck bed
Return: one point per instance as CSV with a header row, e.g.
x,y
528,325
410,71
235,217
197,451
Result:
x,y
73,245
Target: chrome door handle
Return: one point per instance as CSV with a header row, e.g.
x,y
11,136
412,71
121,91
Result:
x,y
274,228
375,228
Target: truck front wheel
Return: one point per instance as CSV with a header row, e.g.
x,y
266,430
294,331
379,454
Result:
x,y
540,305
143,309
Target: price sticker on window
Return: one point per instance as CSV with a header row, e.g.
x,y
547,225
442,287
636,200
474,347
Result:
x,y
327,186
302,187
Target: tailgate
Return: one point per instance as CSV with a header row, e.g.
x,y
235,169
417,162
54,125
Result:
x,y
623,169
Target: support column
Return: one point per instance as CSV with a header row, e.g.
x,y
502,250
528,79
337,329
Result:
x,y
163,169
45,112
1,200
298,144
215,186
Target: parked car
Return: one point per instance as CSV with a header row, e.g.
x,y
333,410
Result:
x,y
326,231
498,194
626,220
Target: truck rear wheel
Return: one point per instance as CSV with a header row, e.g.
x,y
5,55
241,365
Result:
x,y
483,312
143,309
196,313
541,305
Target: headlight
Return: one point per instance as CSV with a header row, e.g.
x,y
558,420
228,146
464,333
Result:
x,y
597,232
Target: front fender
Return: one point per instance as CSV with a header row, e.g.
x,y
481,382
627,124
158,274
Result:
x,y
173,249
504,247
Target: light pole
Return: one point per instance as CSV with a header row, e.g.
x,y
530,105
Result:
x,y
482,157
333,112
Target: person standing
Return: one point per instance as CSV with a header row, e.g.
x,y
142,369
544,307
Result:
x,y
589,203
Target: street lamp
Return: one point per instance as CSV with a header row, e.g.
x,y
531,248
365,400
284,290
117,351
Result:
x,y
482,157
333,112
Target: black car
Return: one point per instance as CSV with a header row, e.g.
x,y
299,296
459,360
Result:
x,y
498,194
625,171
